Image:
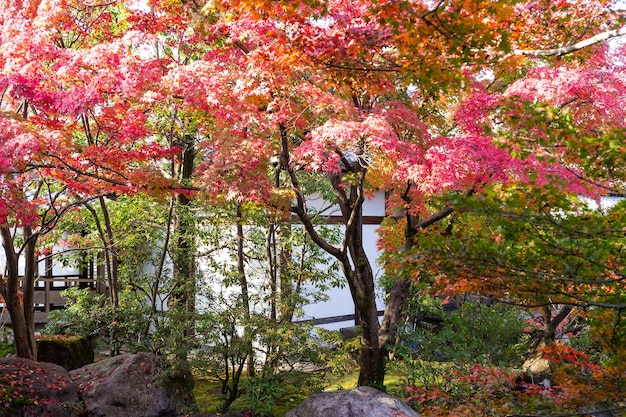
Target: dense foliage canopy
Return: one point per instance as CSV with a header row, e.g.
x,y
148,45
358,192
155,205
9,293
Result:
x,y
482,121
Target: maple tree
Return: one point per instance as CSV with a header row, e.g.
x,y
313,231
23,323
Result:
x,y
361,93
542,247
72,131
351,93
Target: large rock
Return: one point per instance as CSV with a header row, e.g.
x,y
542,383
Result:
x,y
359,402
135,385
32,389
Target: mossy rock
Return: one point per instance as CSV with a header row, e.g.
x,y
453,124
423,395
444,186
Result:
x,y
135,385
71,352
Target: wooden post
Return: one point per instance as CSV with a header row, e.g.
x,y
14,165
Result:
x,y
47,284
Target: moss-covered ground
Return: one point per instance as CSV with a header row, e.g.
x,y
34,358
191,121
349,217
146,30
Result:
x,y
208,397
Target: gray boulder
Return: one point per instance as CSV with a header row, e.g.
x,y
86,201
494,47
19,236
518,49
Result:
x,y
32,389
135,385
359,402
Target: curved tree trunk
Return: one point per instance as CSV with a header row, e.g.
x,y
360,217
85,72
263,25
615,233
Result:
x,y
351,256
360,278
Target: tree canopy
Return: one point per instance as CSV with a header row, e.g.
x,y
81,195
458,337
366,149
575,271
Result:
x,y
443,105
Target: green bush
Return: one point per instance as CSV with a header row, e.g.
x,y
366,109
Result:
x,y
7,345
490,335
229,342
93,315
261,394
340,354
224,352
477,333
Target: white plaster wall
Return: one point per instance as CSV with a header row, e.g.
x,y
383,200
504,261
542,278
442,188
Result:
x,y
339,301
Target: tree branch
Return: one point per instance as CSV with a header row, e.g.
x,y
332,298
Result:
x,y
442,214
563,50
299,208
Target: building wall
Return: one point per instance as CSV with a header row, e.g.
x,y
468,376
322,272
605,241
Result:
x,y
339,300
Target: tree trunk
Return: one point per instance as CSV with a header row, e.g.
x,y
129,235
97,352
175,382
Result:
x,y
182,299
288,289
393,309
372,366
245,296
395,296
28,291
21,313
551,322
184,283
112,260
351,256
188,231
360,279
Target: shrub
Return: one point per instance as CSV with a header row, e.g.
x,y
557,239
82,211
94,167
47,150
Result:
x,y
576,387
7,345
261,394
437,359
92,315
477,333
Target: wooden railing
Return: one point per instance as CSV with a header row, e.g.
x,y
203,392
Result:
x,y
48,290
47,296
